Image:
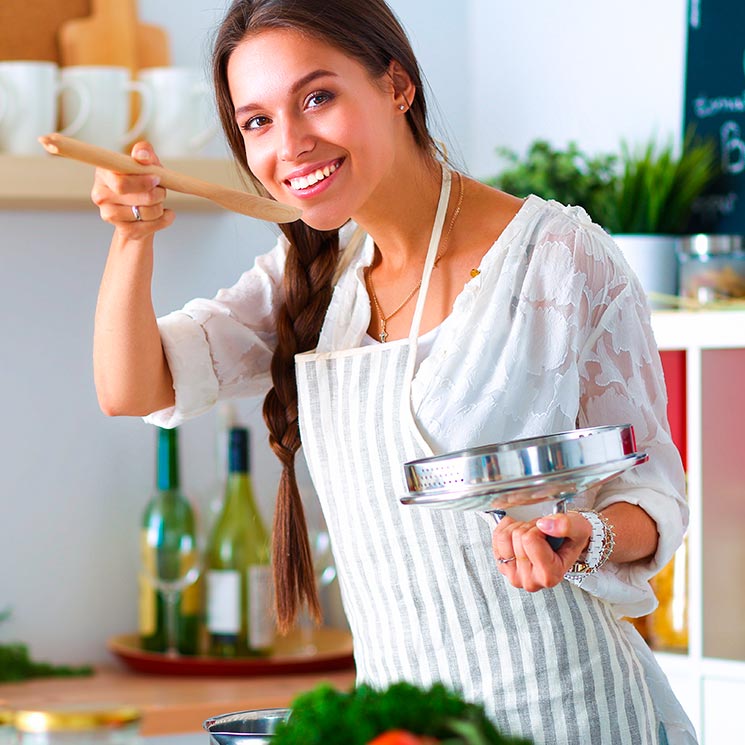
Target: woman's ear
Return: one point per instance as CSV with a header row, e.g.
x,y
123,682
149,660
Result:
x,y
403,89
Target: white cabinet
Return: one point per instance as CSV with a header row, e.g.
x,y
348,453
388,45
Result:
x,y
710,679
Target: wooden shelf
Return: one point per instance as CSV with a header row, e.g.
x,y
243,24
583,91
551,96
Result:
x,y
46,182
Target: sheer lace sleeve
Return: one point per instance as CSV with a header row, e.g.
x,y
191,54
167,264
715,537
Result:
x,y
222,347
622,382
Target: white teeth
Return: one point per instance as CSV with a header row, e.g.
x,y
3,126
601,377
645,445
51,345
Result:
x,y
303,182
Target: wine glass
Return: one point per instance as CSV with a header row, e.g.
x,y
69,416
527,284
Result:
x,y
171,563
324,571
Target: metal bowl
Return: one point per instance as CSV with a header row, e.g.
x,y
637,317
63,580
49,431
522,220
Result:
x,y
520,472
253,727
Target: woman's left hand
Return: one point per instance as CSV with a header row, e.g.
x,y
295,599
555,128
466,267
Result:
x,y
536,566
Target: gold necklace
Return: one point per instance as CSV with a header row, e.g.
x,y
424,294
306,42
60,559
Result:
x,y
382,318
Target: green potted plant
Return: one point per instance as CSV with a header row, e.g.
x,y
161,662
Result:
x,y
651,205
643,197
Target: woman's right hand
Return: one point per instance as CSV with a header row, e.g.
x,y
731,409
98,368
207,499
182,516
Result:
x,y
130,368
115,194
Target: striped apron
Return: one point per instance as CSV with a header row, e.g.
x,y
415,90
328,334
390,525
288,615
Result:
x,y
424,600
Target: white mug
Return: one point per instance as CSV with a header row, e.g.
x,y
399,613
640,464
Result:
x,y
183,119
29,96
110,90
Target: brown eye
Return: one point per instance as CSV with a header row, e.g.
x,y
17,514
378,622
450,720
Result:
x,y
318,98
255,122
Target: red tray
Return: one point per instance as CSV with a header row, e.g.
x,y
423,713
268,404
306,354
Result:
x,y
319,650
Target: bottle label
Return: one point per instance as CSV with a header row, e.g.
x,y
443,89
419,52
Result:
x,y
260,607
223,601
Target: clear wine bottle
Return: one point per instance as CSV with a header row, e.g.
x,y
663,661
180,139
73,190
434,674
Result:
x,y
170,562
240,620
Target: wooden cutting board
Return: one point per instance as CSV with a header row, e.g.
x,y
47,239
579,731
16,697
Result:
x,y
28,28
113,35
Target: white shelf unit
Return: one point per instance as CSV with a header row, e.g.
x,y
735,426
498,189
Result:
x,y
710,679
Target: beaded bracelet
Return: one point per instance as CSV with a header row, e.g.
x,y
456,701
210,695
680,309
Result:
x,y
599,549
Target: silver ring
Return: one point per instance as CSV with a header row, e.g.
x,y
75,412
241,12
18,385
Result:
x,y
506,561
136,213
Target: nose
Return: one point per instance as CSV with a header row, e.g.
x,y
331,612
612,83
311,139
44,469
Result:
x,y
295,139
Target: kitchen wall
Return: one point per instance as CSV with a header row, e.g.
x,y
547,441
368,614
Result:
x,y
589,71
73,483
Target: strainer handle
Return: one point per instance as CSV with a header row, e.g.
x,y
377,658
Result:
x,y
553,540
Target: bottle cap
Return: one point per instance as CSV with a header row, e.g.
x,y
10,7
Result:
x,y
239,460
704,244
167,459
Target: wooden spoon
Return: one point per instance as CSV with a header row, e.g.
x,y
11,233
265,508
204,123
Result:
x,y
231,199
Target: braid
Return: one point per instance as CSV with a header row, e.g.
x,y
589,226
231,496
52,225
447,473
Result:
x,y
311,261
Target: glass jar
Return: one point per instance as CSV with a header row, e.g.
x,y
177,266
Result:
x,y
78,725
712,267
668,624
7,728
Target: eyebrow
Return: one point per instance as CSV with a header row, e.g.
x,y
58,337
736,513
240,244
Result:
x,y
296,86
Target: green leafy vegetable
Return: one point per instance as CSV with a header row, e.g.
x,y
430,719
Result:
x,y
325,716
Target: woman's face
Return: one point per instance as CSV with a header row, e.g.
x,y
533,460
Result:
x,y
319,132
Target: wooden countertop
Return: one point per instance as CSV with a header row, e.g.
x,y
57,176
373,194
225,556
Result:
x,y
170,705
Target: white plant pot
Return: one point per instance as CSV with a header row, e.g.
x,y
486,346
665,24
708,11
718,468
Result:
x,y
653,259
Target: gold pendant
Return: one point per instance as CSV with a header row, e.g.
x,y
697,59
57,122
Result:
x,y
383,334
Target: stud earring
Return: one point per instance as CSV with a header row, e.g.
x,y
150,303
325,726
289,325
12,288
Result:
x,y
401,107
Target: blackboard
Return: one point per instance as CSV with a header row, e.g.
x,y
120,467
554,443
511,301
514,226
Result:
x,y
715,105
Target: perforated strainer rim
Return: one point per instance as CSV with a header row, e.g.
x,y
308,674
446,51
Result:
x,y
515,464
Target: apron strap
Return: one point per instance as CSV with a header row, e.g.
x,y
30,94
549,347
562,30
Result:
x,y
348,253
434,244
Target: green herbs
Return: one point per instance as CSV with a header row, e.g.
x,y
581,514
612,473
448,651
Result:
x,y
325,716
16,664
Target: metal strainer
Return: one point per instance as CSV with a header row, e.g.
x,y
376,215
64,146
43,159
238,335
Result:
x,y
494,478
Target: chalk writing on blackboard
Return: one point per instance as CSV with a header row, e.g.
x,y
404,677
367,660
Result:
x,y
715,105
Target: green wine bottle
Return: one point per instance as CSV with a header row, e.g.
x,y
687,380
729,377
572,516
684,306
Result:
x,y
240,619
170,562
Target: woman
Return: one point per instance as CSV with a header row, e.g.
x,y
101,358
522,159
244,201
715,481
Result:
x,y
414,311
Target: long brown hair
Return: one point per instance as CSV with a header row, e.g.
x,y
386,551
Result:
x,y
368,31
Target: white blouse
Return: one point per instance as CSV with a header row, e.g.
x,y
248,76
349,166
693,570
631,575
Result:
x,y
554,333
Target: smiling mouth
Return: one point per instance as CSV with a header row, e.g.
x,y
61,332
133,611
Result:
x,y
305,182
